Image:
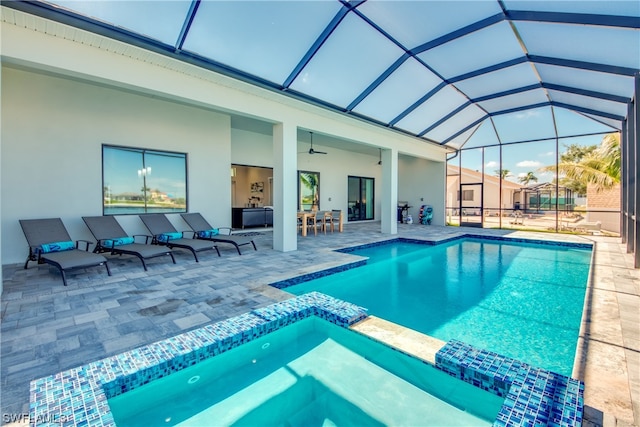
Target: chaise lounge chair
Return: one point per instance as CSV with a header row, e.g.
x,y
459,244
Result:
x,y
164,233
49,242
112,238
203,230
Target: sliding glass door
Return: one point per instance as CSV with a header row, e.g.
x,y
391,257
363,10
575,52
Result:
x,y
361,201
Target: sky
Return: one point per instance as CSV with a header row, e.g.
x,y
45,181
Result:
x,y
522,158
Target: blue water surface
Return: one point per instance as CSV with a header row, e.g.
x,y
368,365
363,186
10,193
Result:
x,y
521,300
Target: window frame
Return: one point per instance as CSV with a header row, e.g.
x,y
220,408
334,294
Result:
x,y
147,155
317,190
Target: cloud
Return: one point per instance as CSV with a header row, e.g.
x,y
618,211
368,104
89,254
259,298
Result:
x,y
527,114
492,164
529,164
522,174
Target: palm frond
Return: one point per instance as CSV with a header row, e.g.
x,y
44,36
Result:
x,y
600,168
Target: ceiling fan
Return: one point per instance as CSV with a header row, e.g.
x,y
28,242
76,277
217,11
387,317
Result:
x,y
311,150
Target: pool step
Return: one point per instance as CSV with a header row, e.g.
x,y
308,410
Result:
x,y
404,339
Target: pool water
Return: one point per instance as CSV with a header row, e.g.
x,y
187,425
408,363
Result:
x,y
518,299
310,373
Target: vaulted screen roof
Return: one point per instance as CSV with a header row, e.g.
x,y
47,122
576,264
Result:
x,y
450,72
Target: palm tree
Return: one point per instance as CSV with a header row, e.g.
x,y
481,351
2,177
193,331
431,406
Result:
x,y
600,168
310,181
503,173
526,179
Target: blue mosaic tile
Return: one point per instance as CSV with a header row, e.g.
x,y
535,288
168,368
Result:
x,y
533,396
316,275
576,245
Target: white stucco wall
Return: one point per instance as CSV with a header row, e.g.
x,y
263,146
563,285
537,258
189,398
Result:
x,y
422,179
53,130
251,148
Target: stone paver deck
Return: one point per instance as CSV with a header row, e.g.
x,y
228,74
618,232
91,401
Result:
x,y
47,328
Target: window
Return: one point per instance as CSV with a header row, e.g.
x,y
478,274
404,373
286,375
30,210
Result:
x,y
360,203
308,190
137,181
467,195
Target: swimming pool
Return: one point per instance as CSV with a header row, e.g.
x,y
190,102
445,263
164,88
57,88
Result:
x,y
519,299
308,373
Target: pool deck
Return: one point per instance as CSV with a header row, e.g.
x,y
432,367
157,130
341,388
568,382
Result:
x,y
47,328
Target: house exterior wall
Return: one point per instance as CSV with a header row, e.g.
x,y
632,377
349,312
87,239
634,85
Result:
x,y
53,130
422,182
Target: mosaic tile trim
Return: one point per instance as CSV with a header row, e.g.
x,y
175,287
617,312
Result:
x,y
313,303
78,396
384,243
534,396
316,274
575,245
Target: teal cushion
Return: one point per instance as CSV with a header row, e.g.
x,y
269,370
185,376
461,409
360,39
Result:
x,y
57,247
207,234
109,243
165,237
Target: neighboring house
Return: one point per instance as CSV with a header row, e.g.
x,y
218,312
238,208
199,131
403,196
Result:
x,y
604,206
157,195
474,185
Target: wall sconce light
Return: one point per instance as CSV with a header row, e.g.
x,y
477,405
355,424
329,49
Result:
x,y
380,156
233,172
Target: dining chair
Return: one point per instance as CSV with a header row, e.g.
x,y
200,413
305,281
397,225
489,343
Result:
x,y
333,218
315,220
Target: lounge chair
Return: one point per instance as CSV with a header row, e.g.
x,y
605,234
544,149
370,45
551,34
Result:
x,y
112,238
164,233
49,242
203,230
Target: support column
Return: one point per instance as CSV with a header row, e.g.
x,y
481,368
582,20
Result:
x,y
285,188
634,138
389,204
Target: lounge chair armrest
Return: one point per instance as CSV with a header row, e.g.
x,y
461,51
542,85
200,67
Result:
x,y
86,244
227,229
146,237
35,251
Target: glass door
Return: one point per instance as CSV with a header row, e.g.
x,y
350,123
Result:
x,y
361,198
